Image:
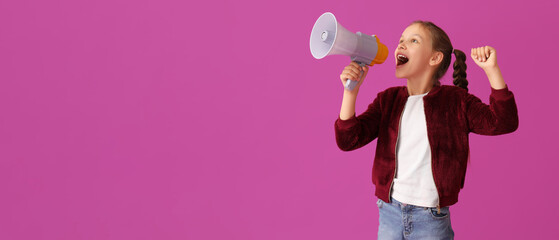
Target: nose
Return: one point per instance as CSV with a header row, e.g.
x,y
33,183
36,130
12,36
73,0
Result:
x,y
401,46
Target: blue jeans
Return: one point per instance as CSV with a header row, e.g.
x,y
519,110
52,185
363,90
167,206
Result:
x,y
405,221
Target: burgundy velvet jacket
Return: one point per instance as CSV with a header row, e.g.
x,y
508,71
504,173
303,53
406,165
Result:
x,y
451,114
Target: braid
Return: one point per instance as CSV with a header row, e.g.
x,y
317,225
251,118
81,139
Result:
x,y
459,74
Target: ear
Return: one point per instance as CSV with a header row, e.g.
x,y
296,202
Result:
x,y
436,58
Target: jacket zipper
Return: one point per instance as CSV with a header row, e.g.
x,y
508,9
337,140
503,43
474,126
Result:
x,y
433,171
396,153
438,197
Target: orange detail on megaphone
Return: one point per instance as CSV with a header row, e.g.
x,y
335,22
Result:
x,y
382,53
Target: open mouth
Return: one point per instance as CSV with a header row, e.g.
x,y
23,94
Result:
x,y
401,59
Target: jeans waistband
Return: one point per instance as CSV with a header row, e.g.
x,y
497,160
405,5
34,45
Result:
x,y
406,204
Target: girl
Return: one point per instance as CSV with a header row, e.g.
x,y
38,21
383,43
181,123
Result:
x,y
422,130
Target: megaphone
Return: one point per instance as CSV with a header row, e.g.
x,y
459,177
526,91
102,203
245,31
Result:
x,y
329,37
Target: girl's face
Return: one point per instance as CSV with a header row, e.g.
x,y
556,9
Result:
x,y
414,52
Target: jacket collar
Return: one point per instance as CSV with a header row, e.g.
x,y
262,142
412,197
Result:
x,y
434,90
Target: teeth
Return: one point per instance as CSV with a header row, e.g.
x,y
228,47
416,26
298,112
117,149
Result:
x,y
402,59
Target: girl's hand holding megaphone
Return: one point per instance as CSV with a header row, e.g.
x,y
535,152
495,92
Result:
x,y
353,72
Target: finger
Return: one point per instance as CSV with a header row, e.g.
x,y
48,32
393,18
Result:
x,y
359,67
491,49
350,74
473,54
480,54
476,56
355,64
354,69
349,68
487,51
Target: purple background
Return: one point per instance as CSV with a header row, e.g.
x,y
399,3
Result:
x,y
211,120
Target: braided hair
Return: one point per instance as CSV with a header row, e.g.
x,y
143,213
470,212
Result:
x,y
459,73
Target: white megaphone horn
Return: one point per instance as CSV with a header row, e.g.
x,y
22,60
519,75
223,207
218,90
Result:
x,y
329,37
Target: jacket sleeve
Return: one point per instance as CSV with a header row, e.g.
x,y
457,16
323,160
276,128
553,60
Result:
x,y
358,131
499,117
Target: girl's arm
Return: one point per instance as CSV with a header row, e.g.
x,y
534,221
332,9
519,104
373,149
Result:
x,y
501,116
495,78
486,58
358,131
355,72
353,131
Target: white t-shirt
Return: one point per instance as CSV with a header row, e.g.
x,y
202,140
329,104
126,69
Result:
x,y
414,183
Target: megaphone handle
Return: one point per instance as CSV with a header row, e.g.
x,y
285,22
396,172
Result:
x,y
350,84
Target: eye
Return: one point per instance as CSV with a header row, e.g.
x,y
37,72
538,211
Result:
x,y
414,40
